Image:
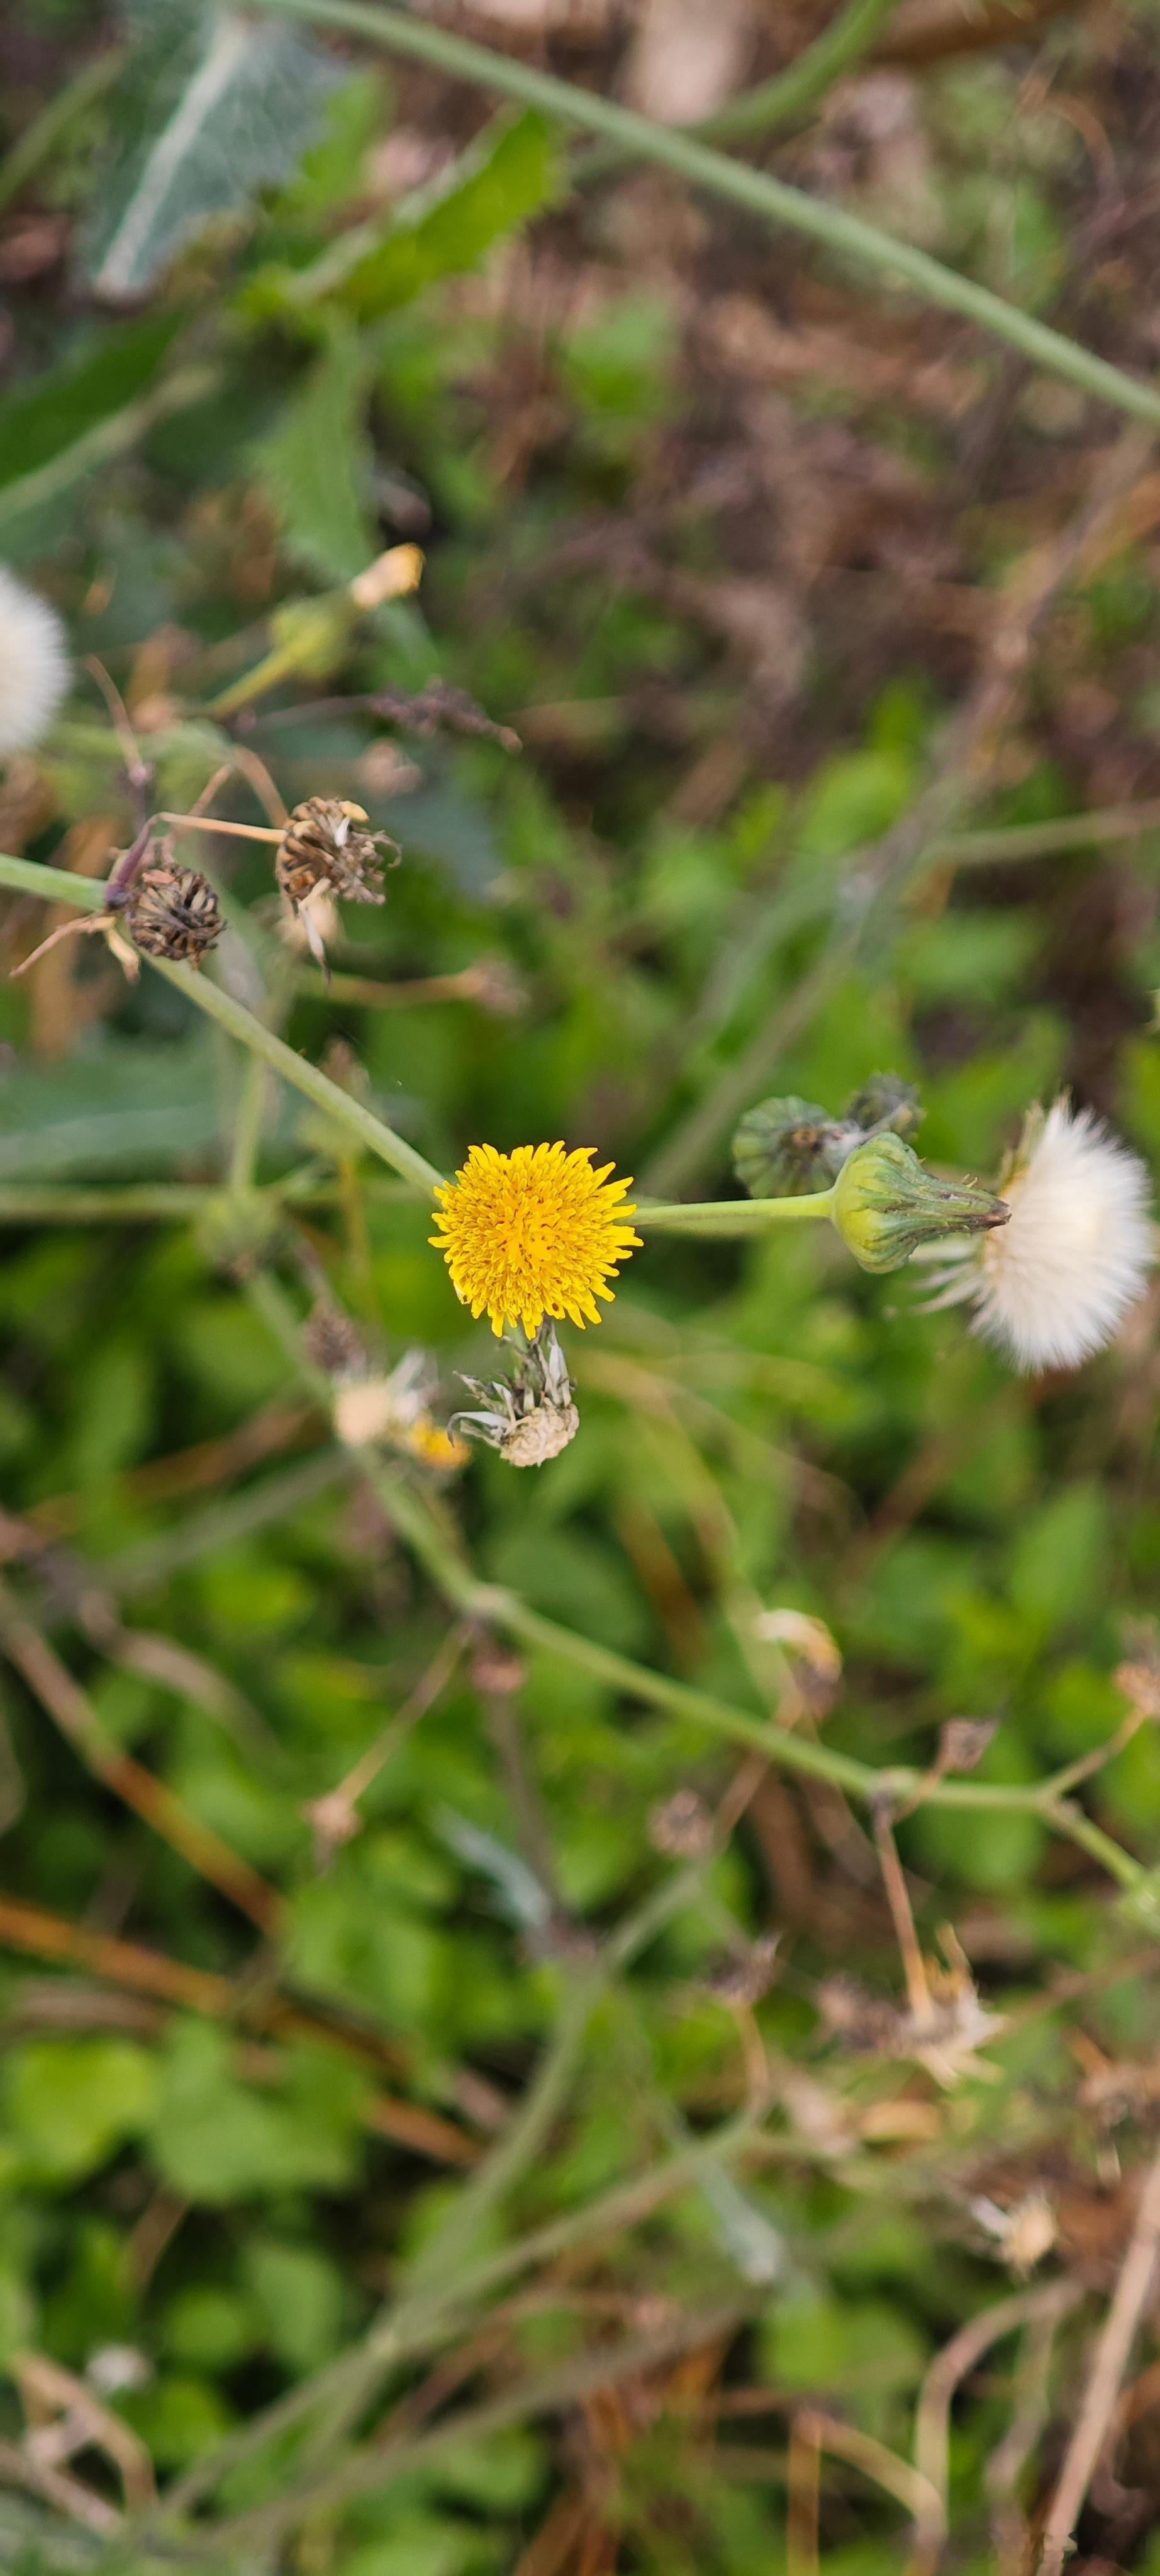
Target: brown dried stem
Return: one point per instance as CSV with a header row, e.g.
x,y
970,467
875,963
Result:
x,y
1108,2364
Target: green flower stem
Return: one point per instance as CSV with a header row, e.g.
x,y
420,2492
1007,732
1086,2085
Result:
x,y
1015,841
296,1069
414,2327
791,94
1078,1828
724,1217
55,885
786,100
248,1127
501,1608
756,190
138,1200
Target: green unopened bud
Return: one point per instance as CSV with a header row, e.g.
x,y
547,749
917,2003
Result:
x,y
886,1204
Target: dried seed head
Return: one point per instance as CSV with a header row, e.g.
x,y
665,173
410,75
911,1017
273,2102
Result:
x,y
495,1670
173,912
745,1978
326,843
1023,2233
1140,1683
331,1342
815,1651
682,1826
963,1742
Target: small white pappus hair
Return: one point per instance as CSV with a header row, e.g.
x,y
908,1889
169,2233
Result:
x,y
1051,1286
34,665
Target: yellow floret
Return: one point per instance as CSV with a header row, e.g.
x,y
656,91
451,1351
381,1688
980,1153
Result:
x,y
533,1233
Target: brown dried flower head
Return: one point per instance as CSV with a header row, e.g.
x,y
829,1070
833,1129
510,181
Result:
x,y
682,1827
326,843
963,1742
1140,1683
173,912
331,1342
746,1977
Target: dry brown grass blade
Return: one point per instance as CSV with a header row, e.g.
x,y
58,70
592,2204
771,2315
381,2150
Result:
x,y
922,33
65,2416
948,2369
189,1471
1108,2364
33,1929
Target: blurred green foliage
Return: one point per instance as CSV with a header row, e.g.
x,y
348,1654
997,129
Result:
x,y
335,359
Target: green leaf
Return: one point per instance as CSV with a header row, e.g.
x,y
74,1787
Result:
x,y
217,105
316,466
41,421
299,2296
508,174
124,1106
71,2101
217,2139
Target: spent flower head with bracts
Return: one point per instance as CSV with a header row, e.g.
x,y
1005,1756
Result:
x,y
327,852
1054,1286
533,1233
529,1417
34,664
886,1204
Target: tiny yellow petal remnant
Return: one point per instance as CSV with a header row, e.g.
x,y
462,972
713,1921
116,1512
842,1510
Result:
x,y
533,1233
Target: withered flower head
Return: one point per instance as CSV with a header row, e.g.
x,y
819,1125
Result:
x,y
682,1826
748,1975
530,1416
326,843
173,912
331,1342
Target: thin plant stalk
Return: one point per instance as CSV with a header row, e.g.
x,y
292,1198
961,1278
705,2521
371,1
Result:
x,y
723,1218
833,227
55,885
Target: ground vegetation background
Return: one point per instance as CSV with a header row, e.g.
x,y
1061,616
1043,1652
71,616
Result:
x,y
779,704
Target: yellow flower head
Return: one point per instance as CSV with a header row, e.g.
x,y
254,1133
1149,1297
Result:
x,y
533,1233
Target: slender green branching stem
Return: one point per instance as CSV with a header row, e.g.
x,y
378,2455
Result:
x,y
54,885
248,1125
57,886
1014,841
723,1217
504,1609
792,94
137,1200
296,1069
846,235
1071,1821
520,2143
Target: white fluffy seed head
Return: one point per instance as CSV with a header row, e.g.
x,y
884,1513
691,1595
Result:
x,y
33,664
1051,1286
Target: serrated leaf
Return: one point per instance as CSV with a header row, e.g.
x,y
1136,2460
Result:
x,y
316,466
41,421
218,106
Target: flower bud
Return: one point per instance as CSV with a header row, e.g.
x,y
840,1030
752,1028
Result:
x,y
886,1204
